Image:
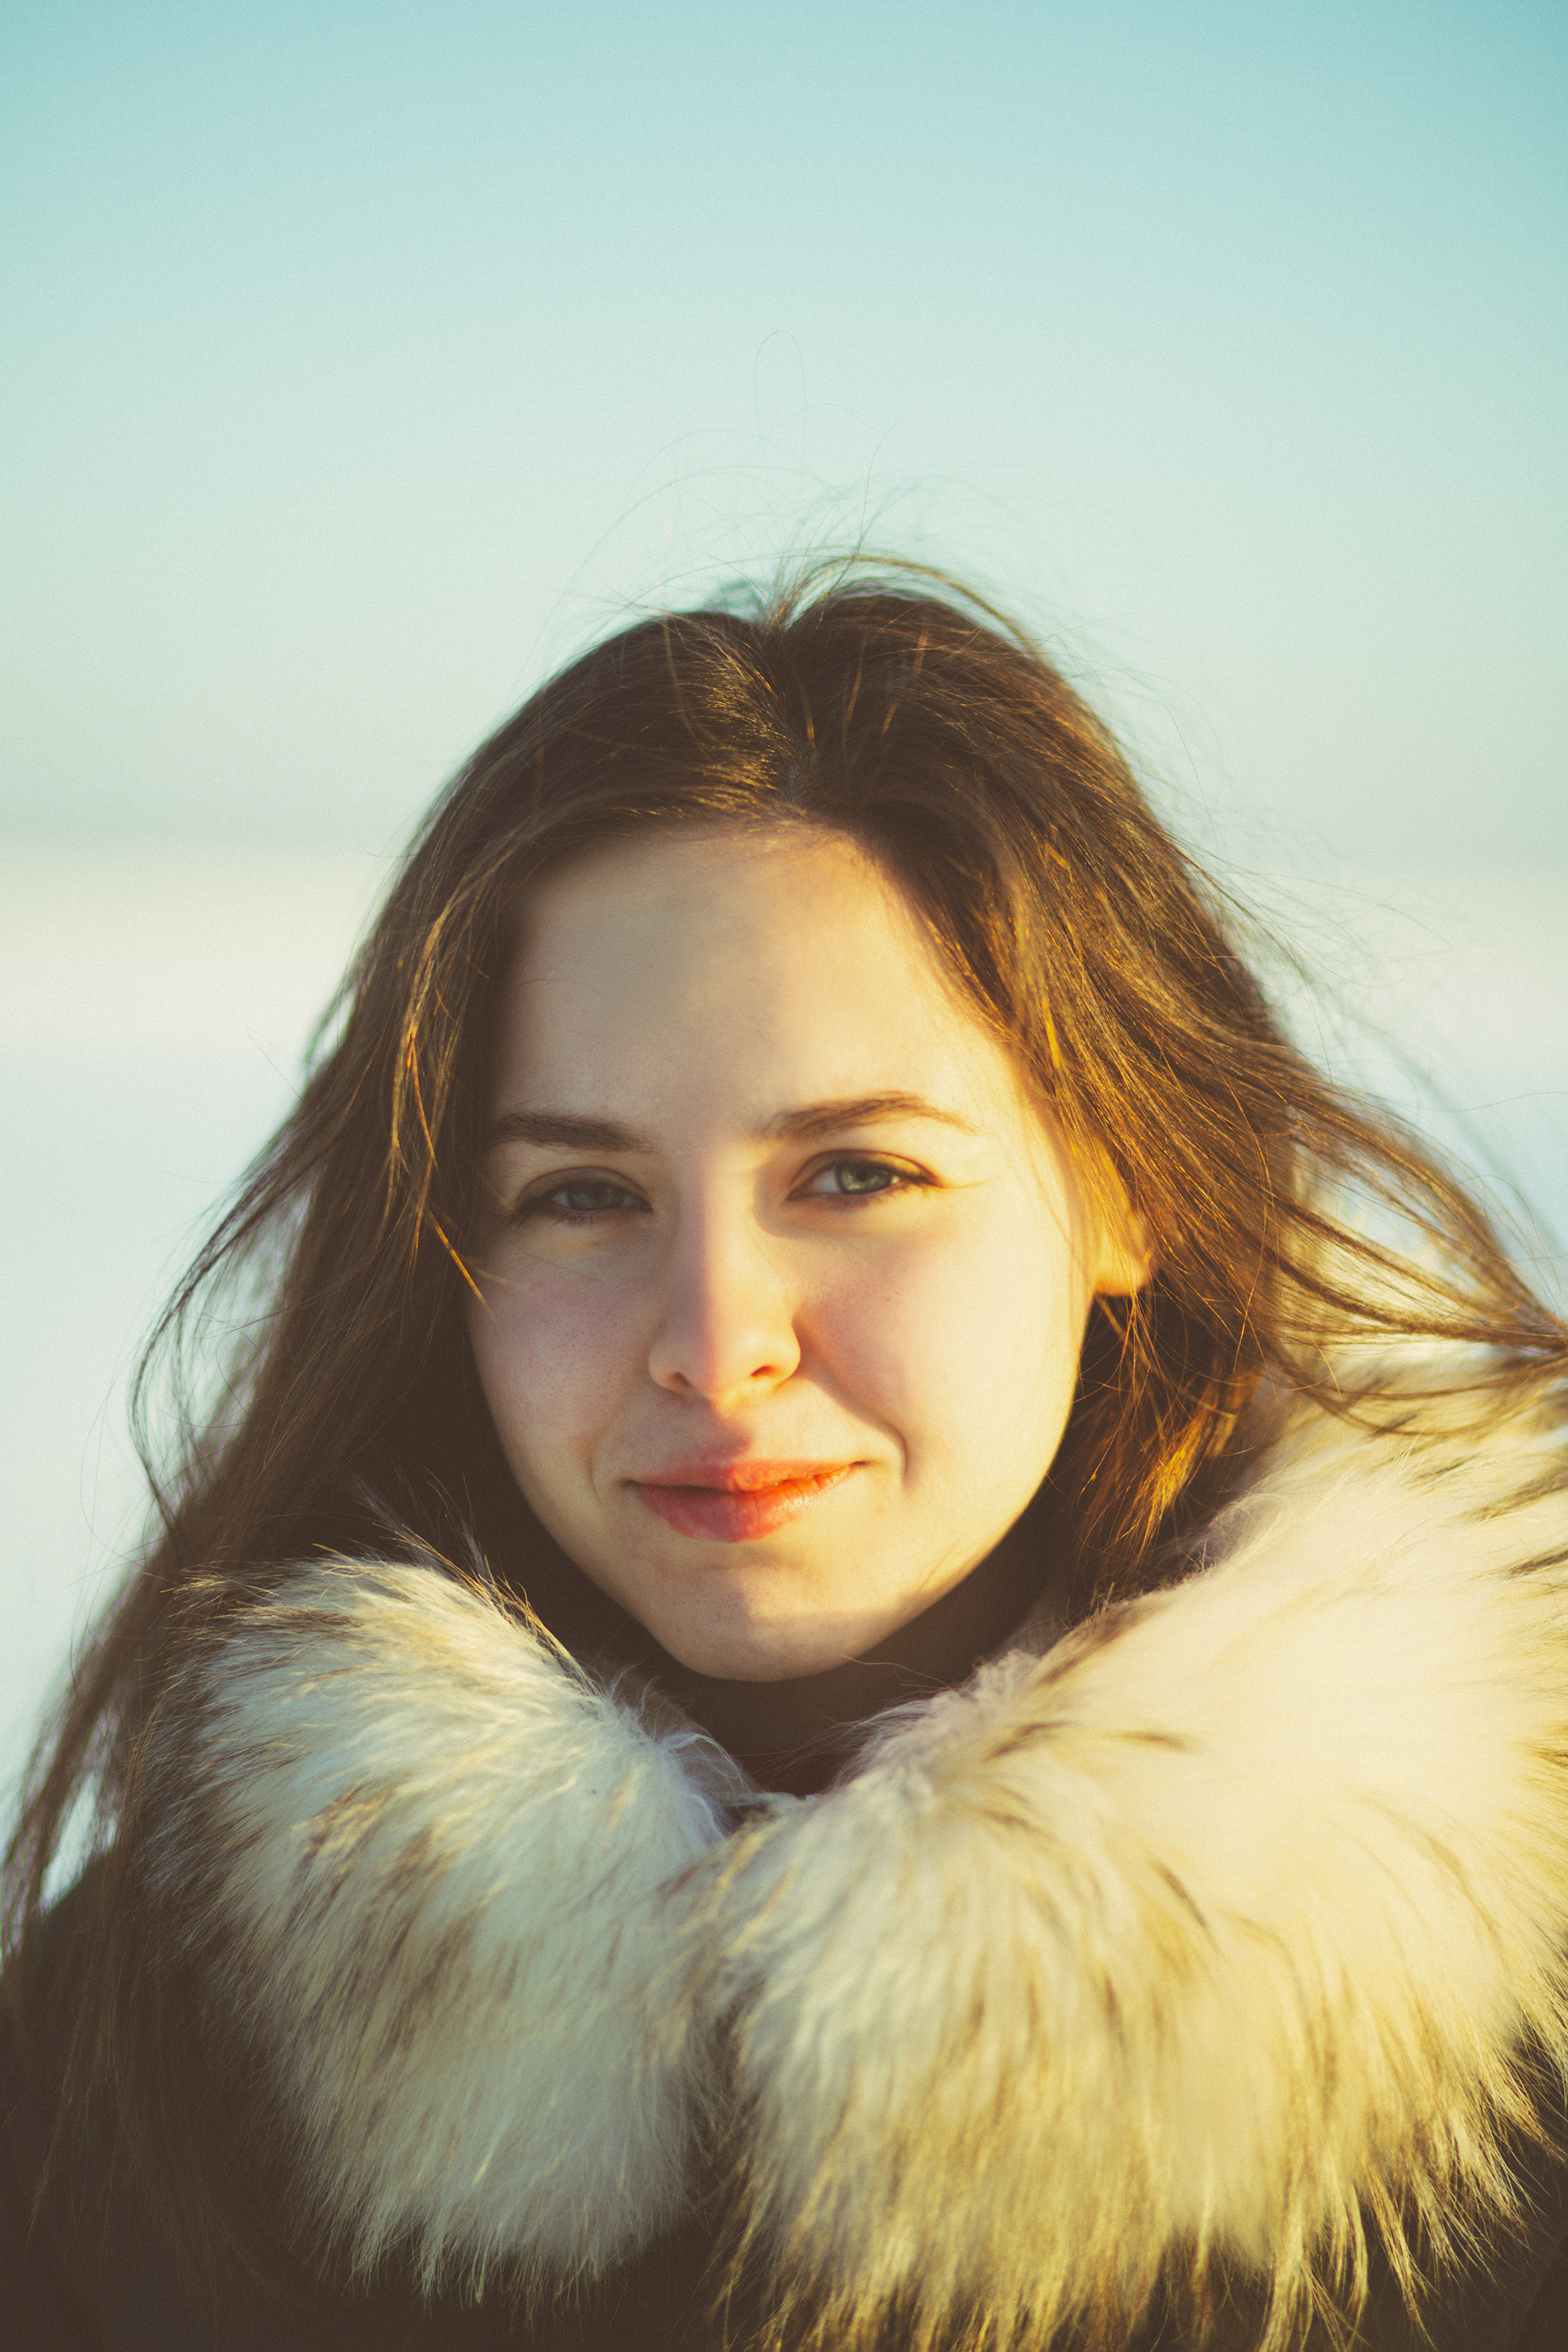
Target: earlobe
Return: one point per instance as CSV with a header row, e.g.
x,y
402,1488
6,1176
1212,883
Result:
x,y
1126,1252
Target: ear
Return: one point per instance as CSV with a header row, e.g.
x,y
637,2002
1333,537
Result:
x,y
1126,1252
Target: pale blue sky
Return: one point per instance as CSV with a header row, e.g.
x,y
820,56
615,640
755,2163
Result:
x,y
357,362
363,360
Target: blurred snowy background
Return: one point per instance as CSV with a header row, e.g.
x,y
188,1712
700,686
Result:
x,y
364,363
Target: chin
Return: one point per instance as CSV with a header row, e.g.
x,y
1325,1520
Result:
x,y
767,1659
773,1650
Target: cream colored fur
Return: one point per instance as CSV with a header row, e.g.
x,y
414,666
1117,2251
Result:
x,y
441,1868
1225,1925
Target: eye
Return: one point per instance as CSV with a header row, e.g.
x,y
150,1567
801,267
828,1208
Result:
x,y
577,1200
854,1178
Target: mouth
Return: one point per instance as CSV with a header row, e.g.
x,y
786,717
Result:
x,y
739,1501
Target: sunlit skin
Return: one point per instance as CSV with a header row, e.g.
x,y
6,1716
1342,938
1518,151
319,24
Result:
x,y
784,1279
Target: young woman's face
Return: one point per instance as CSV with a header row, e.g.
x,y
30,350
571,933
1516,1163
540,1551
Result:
x,y
784,1280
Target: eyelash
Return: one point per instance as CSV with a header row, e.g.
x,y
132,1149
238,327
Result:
x,y
904,1179
548,1203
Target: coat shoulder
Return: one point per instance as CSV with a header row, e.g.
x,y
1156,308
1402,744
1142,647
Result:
x,y
85,2268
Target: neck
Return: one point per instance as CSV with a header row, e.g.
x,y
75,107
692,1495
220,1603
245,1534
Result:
x,y
774,1723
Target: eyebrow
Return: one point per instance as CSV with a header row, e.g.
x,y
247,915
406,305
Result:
x,y
562,1131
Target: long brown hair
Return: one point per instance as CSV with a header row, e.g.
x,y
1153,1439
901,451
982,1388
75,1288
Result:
x,y
899,711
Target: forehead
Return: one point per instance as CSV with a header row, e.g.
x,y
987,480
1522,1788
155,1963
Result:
x,y
778,962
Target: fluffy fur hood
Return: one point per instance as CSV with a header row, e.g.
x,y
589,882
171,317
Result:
x,y
1226,1932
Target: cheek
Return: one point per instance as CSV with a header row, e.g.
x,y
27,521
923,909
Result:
x,y
556,1354
965,1352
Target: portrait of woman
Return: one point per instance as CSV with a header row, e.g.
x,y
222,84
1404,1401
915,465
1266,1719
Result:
x,y
783,917
869,1644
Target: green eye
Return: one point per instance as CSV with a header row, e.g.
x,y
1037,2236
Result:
x,y
581,1197
863,1176
859,1179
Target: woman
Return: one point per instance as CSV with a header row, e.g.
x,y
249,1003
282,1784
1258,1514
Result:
x,y
869,1644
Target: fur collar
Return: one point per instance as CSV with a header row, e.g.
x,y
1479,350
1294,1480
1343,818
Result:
x,y
1229,1927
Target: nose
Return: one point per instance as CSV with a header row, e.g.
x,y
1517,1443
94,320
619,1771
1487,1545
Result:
x,y
726,1328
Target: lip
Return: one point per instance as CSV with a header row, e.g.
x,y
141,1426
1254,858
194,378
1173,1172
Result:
x,y
736,1502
